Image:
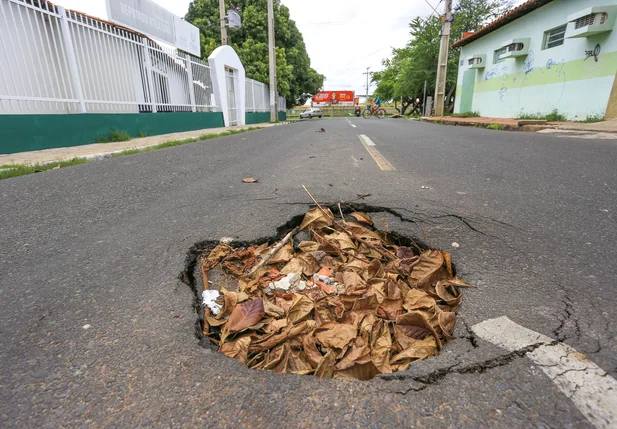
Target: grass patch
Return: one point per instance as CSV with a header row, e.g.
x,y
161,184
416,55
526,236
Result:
x,y
591,119
181,142
466,115
114,136
14,170
554,116
496,127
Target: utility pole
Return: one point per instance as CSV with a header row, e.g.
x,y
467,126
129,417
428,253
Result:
x,y
442,67
272,58
223,23
367,75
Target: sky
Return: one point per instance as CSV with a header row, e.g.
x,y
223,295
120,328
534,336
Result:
x,y
342,37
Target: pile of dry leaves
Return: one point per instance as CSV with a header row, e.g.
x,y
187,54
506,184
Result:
x,y
347,302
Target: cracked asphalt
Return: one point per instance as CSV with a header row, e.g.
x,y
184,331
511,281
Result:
x,y
97,329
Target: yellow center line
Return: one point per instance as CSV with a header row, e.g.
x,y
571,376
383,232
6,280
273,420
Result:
x,y
382,162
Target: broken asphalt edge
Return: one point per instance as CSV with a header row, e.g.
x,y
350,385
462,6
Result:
x,y
474,355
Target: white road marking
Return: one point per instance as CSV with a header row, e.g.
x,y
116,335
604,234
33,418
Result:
x,y
592,390
352,125
366,140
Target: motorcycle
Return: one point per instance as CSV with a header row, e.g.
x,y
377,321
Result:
x,y
358,111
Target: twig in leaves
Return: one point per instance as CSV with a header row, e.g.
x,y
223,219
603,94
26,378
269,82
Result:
x,y
272,251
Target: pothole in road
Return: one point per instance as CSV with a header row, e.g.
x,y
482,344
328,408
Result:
x,y
330,295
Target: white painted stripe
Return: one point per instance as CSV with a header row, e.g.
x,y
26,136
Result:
x,y
353,125
592,390
366,140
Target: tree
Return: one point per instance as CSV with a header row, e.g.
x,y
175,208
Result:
x,y
404,74
296,80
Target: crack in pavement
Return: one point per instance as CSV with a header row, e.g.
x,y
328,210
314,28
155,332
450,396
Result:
x,y
476,368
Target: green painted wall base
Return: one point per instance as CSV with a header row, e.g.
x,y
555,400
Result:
x,y
22,133
256,117
261,117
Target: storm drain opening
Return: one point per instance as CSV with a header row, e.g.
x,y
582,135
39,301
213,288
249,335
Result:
x,y
332,296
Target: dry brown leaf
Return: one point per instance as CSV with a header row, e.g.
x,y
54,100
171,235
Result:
x,y
284,254
335,335
362,217
447,323
237,349
325,368
230,300
301,307
351,279
358,353
367,304
342,240
414,353
288,333
362,231
273,310
279,359
275,326
315,218
364,371
382,344
246,314
298,363
418,299
415,325
390,309
215,322
311,350
250,180
429,270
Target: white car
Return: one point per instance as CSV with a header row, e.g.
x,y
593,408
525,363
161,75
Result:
x,y
310,112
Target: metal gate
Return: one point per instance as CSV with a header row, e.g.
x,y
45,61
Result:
x,y
231,97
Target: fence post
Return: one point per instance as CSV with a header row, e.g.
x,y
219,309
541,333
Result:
x,y
150,74
253,89
189,71
72,59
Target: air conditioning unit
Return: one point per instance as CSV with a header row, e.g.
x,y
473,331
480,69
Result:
x,y
515,48
591,21
476,61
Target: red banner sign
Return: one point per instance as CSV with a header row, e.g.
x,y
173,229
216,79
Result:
x,y
334,97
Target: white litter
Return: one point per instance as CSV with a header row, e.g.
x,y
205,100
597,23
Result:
x,y
456,245
87,326
324,279
209,300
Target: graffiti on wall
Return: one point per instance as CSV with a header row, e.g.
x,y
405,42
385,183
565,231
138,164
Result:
x,y
500,70
528,63
595,52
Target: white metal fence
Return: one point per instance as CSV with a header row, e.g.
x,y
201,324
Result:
x,y
258,97
57,61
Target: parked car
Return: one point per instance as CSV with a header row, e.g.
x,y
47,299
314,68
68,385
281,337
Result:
x,y
310,112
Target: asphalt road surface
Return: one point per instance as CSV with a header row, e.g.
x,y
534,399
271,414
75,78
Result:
x,y
97,330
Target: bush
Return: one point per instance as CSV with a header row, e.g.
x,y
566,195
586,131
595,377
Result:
x,y
113,136
466,115
590,119
497,127
554,116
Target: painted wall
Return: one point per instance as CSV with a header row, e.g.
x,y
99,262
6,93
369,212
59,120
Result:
x,y
568,78
21,133
221,58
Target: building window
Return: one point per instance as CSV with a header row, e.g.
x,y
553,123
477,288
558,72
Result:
x,y
498,53
554,37
603,17
515,47
475,60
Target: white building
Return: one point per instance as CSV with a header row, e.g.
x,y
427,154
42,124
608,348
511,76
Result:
x,y
543,55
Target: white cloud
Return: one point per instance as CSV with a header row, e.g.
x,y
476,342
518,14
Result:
x,y
342,37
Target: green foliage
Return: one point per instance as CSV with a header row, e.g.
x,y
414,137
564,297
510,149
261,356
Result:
x,y
113,136
496,127
554,116
14,170
466,115
404,74
296,80
590,119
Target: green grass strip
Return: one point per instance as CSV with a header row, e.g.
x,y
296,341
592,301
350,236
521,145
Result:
x,y
14,170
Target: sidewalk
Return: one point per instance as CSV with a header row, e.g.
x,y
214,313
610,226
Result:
x,y
609,126
102,150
